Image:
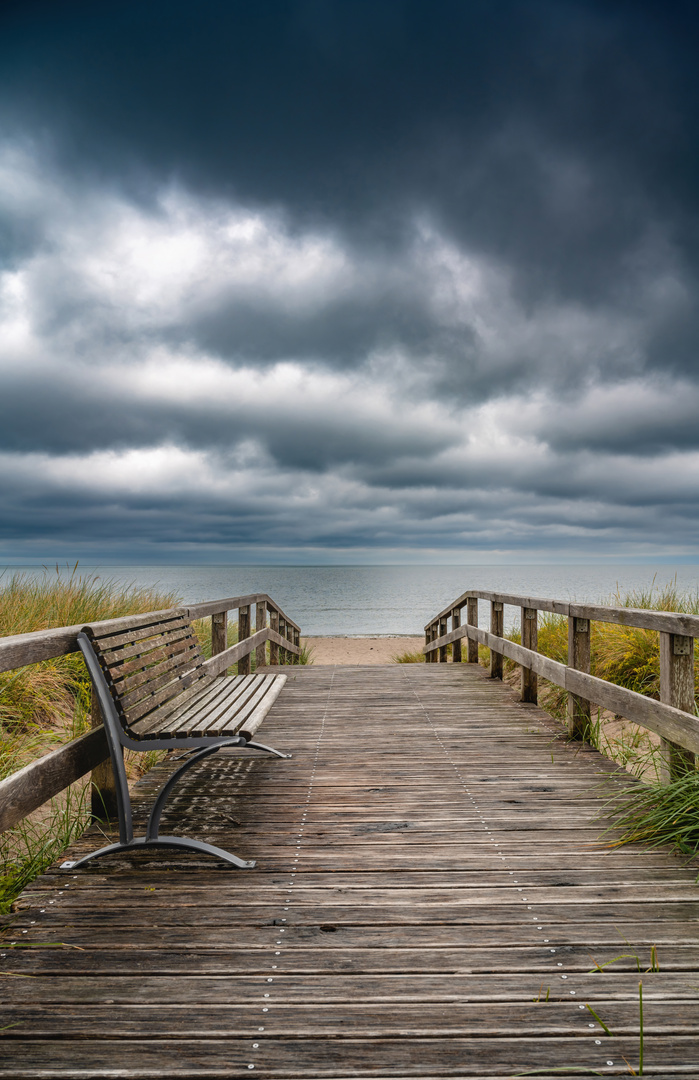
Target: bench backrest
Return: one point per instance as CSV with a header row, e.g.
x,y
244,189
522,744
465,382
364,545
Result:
x,y
151,669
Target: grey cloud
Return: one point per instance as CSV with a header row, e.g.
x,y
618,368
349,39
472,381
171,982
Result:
x,y
507,195
544,133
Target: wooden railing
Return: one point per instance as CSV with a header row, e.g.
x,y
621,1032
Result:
x,y
30,787
673,718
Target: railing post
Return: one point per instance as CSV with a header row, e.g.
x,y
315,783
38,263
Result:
x,y
283,657
219,633
456,645
530,640
297,643
578,658
244,632
677,689
431,636
261,624
103,796
496,627
290,638
441,630
472,620
273,647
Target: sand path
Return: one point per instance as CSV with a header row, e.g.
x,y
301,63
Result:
x,y
365,650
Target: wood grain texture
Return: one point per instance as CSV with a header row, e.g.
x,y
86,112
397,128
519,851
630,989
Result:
x,y
260,624
431,898
30,787
579,710
530,640
677,689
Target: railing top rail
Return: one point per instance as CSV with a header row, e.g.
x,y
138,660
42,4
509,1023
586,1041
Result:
x,y
670,622
18,650
212,607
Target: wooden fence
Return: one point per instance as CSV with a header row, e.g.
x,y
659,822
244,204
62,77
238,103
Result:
x,y
30,787
673,717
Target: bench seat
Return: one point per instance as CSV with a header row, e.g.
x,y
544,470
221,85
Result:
x,y
156,692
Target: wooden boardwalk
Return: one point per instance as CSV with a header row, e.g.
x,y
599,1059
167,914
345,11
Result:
x,y
431,899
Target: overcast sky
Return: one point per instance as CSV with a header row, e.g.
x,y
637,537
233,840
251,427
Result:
x,y
349,280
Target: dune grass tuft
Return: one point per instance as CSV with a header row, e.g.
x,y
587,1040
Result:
x,y
408,658
659,814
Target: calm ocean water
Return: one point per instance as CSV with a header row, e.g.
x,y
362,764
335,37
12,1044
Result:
x,y
375,600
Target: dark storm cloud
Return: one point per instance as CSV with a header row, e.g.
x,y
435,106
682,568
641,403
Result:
x,y
361,274
546,133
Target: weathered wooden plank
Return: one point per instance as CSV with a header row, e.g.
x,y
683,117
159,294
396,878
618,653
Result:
x,y
578,658
677,689
338,988
404,908
30,787
300,1057
526,1018
139,629
168,961
210,607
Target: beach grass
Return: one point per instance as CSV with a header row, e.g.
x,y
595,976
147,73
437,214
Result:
x,y
408,658
657,814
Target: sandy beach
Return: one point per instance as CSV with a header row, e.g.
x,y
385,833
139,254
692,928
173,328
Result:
x,y
364,650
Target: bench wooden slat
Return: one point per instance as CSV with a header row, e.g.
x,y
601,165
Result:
x,y
123,661
241,715
253,722
175,723
172,669
166,699
112,641
234,688
159,661
218,719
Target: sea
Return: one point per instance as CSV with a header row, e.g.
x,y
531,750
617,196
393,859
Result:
x,y
367,601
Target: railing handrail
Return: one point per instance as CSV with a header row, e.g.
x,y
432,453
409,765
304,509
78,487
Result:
x,y
669,622
18,650
673,717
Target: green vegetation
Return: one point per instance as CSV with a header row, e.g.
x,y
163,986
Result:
x,y
408,658
48,703
306,656
659,814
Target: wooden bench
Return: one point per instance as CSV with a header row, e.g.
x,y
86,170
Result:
x,y
155,692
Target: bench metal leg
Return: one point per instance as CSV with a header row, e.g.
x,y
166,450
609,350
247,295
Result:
x,y
159,804
165,842
270,749
152,839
